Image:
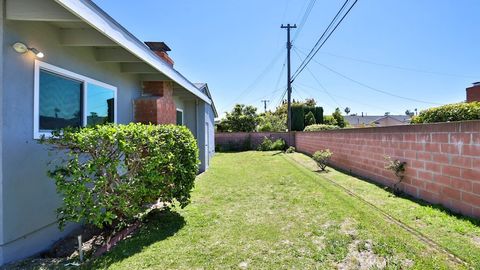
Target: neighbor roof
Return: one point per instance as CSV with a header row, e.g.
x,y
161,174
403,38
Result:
x,y
204,88
359,120
87,11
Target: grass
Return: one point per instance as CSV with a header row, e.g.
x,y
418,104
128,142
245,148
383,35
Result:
x,y
262,210
460,235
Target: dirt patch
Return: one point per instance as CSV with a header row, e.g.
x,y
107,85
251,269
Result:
x,y
362,257
476,241
348,227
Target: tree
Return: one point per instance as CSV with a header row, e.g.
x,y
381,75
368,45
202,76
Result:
x,y
387,113
347,110
309,119
409,113
310,102
272,122
242,118
339,118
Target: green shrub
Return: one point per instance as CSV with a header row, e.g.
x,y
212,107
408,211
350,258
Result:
x,y
268,145
329,120
290,150
341,122
321,158
319,115
265,145
278,145
320,127
298,117
310,119
449,113
109,174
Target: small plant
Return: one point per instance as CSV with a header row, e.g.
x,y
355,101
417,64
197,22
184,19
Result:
x,y
322,157
268,145
398,168
290,150
265,145
310,119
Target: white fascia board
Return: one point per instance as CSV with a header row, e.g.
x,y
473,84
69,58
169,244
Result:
x,y
102,22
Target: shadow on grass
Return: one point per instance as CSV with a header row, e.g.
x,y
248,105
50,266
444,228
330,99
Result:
x,y
159,225
406,196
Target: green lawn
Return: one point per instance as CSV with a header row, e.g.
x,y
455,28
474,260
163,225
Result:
x,y
263,210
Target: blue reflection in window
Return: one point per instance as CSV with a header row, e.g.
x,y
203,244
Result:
x,y
60,101
100,105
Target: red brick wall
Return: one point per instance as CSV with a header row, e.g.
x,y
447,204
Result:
x,y
223,139
159,108
473,93
443,160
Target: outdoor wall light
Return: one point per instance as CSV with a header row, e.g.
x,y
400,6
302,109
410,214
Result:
x,y
22,48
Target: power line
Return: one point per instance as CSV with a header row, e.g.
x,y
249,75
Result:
x,y
371,87
317,80
257,79
304,18
398,67
317,47
347,99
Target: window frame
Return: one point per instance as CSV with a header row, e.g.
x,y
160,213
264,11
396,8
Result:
x,y
39,65
180,110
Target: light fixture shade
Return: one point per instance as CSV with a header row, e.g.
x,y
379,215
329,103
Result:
x,y
20,47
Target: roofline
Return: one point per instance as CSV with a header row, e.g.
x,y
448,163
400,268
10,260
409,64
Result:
x,y
105,24
207,90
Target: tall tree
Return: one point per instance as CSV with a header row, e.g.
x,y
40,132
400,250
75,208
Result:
x,y
242,118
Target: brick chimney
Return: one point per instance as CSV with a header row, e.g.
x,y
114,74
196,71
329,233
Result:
x,y
473,92
160,49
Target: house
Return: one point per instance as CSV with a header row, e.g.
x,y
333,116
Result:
x,y
67,62
377,121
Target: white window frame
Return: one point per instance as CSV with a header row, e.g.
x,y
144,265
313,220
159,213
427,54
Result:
x,y
180,110
39,65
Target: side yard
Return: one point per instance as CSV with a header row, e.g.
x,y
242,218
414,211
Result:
x,y
267,210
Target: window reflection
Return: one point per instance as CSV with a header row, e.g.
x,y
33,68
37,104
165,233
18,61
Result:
x,y
60,101
100,105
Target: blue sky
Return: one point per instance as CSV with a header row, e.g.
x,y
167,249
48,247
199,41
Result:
x,y
425,50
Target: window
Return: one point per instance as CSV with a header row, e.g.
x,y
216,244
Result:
x,y
179,117
63,98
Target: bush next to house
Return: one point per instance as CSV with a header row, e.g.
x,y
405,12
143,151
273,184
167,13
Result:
x,y
320,127
109,174
449,113
321,158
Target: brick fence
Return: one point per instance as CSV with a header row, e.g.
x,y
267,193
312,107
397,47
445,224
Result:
x,y
443,160
237,139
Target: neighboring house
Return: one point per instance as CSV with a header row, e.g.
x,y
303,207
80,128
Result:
x,y
67,62
377,121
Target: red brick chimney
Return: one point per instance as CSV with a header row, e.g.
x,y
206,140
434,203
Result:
x,y
473,92
160,49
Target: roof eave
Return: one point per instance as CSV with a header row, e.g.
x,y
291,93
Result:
x,y
102,22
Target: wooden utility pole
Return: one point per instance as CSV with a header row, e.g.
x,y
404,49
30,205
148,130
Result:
x,y
265,101
289,79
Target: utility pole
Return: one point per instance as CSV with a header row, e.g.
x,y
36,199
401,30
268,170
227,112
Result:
x,y
265,101
289,79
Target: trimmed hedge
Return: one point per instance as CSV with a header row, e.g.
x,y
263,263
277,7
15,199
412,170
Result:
x,y
109,174
319,115
449,113
298,117
320,127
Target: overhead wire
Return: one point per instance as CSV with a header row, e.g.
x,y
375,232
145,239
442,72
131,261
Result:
x,y
327,34
371,87
304,19
250,87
